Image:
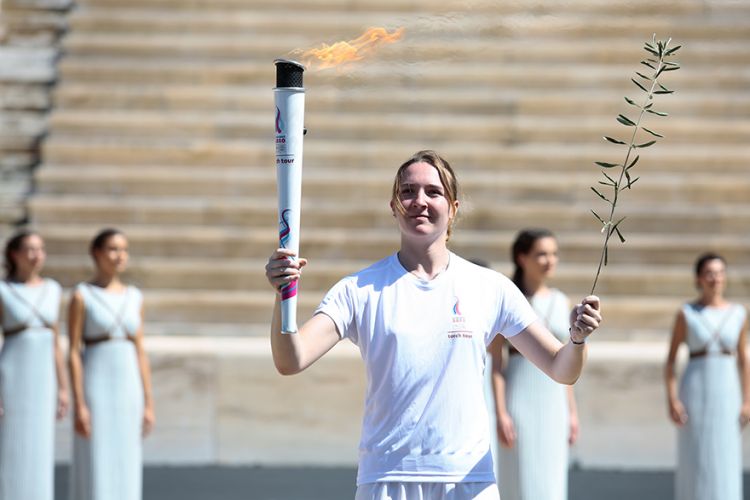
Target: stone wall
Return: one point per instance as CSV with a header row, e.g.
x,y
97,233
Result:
x,y
220,401
30,34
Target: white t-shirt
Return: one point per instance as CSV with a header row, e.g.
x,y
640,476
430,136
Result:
x,y
424,346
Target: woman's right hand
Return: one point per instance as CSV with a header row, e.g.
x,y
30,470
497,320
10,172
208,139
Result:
x,y
283,268
149,419
506,431
82,422
677,412
62,404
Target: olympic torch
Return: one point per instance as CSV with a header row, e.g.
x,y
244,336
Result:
x,y
289,96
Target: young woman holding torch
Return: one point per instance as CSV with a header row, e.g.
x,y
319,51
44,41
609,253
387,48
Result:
x,y
422,319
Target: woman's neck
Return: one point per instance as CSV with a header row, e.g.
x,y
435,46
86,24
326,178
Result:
x,y
712,300
425,262
534,286
107,281
26,277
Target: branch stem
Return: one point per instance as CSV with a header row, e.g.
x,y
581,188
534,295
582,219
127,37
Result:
x,y
609,228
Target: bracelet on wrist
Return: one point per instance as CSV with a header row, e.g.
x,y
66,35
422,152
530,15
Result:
x,y
570,336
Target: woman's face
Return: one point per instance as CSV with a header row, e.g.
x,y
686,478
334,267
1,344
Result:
x,y
712,278
112,257
541,261
428,213
30,258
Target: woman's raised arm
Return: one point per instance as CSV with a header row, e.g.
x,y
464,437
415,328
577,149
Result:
x,y
294,352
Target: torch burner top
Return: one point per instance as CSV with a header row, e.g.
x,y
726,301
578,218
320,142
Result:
x,y
289,73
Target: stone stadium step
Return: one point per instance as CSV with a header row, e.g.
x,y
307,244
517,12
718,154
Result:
x,y
385,155
150,19
33,27
493,215
711,192
19,127
429,74
419,47
370,244
14,188
15,96
572,25
14,141
17,161
347,126
247,274
11,210
27,65
79,97
632,7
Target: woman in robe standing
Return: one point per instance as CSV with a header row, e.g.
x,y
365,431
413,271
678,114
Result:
x,y
713,403
536,417
33,387
110,376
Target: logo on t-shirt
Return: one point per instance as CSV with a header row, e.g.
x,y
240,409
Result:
x,y
458,328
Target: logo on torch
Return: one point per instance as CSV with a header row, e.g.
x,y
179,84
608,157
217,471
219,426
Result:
x,y
280,125
284,230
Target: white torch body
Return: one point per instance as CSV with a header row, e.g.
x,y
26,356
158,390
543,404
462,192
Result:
x,y
289,127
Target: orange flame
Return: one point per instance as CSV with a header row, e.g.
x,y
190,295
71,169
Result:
x,y
329,56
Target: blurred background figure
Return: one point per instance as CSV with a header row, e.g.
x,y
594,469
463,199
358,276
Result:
x,y
536,417
33,387
713,404
111,381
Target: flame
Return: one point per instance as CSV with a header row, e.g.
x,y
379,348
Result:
x,y
329,56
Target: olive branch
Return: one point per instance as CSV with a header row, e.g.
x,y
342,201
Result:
x,y
657,62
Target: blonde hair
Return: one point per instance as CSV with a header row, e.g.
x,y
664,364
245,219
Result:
x,y
445,172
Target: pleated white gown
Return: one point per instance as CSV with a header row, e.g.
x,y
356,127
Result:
x,y
709,463
108,466
28,388
536,468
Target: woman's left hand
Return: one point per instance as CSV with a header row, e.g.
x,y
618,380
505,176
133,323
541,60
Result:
x,y
574,428
63,403
585,318
744,415
149,419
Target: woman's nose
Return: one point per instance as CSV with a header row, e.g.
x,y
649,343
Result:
x,y
421,198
